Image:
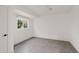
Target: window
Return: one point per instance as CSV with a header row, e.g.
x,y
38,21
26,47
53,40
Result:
x,y
21,22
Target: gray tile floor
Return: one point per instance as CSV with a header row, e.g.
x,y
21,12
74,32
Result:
x,y
40,45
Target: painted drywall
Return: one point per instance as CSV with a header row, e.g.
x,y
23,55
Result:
x,y
75,27
53,27
23,33
17,35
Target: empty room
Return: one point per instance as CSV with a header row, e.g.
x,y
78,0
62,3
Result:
x,y
39,28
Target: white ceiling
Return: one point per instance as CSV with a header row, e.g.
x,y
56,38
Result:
x,y
42,10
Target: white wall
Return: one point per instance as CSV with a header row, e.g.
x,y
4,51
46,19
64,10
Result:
x,y
53,27
23,33
17,35
75,27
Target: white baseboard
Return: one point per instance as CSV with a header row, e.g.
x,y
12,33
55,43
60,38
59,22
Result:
x,y
52,38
